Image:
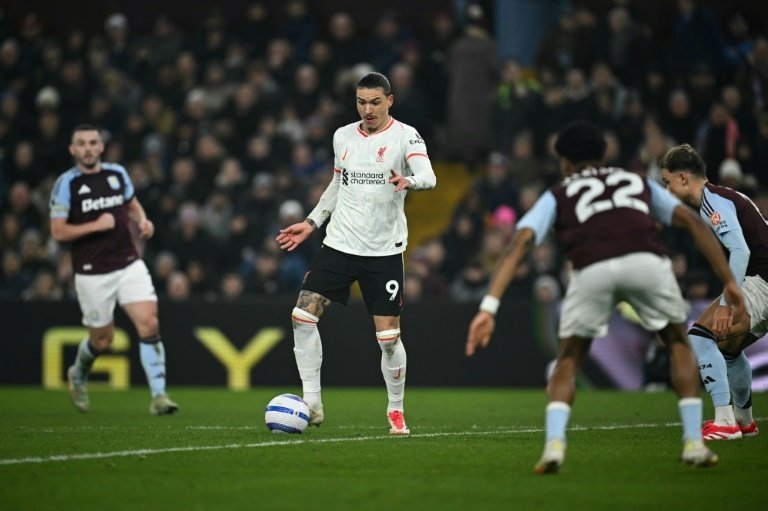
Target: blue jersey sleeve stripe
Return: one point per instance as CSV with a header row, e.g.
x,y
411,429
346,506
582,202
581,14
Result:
x,y
708,209
60,195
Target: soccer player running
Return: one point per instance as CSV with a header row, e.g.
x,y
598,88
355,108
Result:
x,y
91,204
375,161
743,230
605,218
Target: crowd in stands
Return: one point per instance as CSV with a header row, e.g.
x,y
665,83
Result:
x,y
226,132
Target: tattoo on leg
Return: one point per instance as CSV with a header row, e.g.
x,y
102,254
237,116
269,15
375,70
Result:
x,y
313,303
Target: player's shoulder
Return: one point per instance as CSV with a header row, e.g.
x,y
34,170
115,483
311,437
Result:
x,y
67,176
715,196
114,167
404,130
346,131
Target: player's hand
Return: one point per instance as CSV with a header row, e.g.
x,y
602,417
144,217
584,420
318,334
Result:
x,y
724,315
722,321
105,222
480,331
146,228
401,183
294,235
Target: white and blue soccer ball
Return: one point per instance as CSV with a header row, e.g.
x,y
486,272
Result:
x,y
287,413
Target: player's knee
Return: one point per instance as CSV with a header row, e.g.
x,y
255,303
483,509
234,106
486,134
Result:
x,y
388,340
730,355
701,331
301,317
148,325
102,340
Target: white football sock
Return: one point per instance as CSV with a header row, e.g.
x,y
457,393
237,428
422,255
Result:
x,y
308,351
393,362
152,354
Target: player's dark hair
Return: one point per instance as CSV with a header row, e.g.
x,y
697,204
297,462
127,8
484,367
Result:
x,y
375,81
580,141
684,157
85,127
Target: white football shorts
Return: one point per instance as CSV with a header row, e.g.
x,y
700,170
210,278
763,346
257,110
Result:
x,y
644,280
98,294
755,291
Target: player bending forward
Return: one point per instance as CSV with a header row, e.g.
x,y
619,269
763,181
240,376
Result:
x,y
743,231
605,218
376,161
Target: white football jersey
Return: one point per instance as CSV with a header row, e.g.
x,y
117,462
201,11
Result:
x,y
368,215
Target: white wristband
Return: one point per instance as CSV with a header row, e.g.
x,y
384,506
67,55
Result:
x,y
490,304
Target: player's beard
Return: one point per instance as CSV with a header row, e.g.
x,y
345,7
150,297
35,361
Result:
x,y
88,165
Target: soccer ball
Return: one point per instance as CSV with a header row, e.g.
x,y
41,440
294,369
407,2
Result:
x,y
287,413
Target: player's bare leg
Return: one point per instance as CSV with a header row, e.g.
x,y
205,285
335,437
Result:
x,y
152,353
393,368
685,380
308,350
98,341
561,391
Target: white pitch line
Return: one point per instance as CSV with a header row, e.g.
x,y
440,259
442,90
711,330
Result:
x,y
146,452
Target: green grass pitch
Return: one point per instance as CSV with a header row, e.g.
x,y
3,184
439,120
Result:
x,y
469,449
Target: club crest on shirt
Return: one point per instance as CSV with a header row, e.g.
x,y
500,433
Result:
x,y
380,157
114,183
715,218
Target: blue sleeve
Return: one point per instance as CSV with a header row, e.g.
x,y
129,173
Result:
x,y
130,191
541,216
720,213
663,203
60,197
738,251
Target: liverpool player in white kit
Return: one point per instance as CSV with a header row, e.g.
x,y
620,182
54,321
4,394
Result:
x,y
376,161
606,219
91,205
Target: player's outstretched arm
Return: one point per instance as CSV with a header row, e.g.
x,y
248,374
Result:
x,y
294,235
482,326
706,242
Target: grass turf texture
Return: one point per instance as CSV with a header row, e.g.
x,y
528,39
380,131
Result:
x,y
470,449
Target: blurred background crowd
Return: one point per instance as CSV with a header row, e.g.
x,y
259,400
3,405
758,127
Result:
x,y
226,130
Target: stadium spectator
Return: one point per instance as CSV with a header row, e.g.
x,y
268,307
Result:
x,y
157,92
473,73
514,105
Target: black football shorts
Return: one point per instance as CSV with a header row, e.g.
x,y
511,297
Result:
x,y
332,273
